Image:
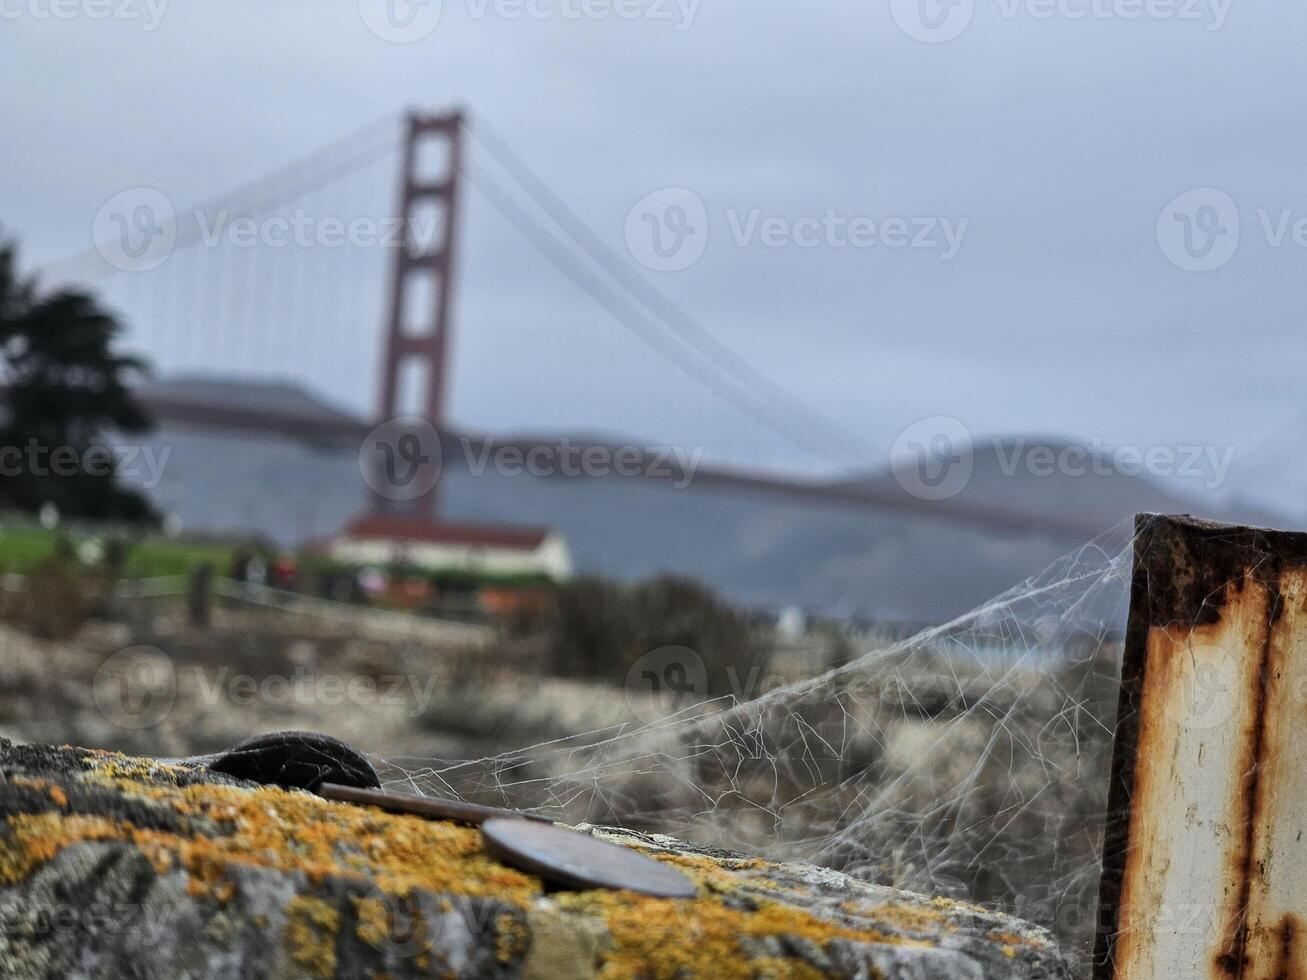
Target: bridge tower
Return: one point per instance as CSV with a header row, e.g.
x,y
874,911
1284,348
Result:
x,y
421,287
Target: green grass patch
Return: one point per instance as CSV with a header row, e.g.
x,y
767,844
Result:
x,y
24,546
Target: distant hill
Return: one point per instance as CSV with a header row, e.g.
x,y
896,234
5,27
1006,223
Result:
x,y
282,396
1274,474
1007,473
758,548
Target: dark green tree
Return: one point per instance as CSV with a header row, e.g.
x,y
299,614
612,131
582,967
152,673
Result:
x,y
64,388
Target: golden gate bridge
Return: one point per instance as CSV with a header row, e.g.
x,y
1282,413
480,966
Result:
x,y
284,277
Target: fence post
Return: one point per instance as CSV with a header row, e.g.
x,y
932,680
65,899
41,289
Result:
x,y
1205,857
199,595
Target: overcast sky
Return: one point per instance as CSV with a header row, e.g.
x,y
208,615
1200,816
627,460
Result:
x,y
1050,137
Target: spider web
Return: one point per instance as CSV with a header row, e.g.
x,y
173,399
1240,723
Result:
x,y
970,760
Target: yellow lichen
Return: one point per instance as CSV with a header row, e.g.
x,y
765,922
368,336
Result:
x,y
722,933
511,938
374,922
311,927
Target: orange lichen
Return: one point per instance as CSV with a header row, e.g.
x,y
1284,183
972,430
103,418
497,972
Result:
x,y
773,968
35,839
1010,941
652,938
724,933
906,916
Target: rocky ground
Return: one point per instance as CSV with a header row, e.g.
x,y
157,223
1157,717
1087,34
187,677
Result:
x,y
113,865
165,688
922,778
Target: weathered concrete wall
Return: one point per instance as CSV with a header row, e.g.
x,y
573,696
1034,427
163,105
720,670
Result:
x,y
120,866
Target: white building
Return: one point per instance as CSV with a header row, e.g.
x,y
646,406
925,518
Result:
x,y
491,549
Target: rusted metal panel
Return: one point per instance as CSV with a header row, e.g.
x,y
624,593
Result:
x,y
1205,861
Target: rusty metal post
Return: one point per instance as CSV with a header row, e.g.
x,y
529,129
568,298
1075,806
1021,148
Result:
x,y
1205,859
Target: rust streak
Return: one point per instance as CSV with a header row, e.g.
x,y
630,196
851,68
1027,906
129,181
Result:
x,y
1234,960
1289,931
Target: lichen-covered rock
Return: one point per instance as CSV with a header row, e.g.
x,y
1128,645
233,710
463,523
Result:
x,y
118,866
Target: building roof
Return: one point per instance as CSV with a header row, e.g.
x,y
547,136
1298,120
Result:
x,y
443,532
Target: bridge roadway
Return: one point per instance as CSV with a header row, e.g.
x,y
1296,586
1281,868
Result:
x,y
345,430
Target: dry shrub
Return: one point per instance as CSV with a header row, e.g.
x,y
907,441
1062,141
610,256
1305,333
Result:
x,y
52,605
601,629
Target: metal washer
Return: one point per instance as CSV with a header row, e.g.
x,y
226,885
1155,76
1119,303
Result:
x,y
575,860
